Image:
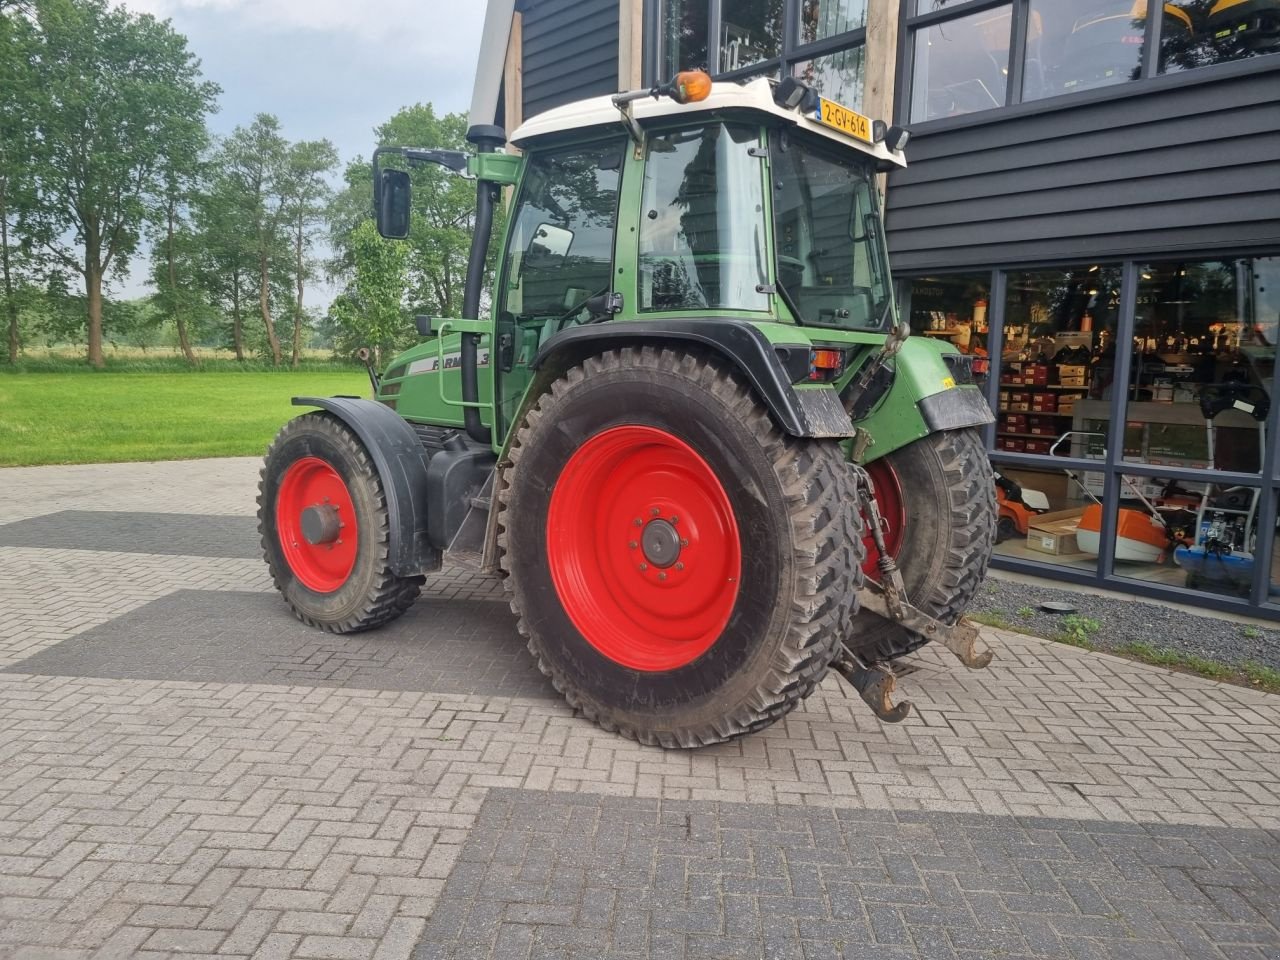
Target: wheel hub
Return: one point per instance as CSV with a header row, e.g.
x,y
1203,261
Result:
x,y
661,543
321,524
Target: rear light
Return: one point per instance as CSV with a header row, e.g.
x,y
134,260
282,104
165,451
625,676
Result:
x,y
825,365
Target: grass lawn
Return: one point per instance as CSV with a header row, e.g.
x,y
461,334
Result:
x,y
111,417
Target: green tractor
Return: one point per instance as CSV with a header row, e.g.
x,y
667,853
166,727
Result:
x,y
692,436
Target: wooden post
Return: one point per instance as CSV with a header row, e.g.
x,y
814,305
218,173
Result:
x,y
630,44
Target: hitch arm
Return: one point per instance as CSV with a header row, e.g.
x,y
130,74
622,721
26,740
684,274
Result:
x,y
961,638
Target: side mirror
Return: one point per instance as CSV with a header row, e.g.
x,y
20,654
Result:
x,y
549,241
394,195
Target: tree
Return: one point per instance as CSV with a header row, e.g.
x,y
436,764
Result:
x,y
16,143
371,308
226,267
250,168
443,212
304,195
116,94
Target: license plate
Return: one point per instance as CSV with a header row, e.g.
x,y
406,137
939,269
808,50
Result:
x,y
851,124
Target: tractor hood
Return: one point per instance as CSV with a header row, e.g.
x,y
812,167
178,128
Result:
x,y
755,96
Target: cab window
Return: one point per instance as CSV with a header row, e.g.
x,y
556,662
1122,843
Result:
x,y
702,225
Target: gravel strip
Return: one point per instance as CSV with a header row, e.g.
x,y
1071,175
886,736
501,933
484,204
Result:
x,y
1124,620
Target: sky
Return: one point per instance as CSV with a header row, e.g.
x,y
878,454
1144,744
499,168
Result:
x,y
330,69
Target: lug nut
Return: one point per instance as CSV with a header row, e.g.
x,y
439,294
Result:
x,y
662,576
679,566
675,519
638,522
655,511
633,544
684,543
644,566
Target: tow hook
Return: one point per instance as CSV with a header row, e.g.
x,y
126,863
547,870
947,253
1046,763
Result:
x,y
875,683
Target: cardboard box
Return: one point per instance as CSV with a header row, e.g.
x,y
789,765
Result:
x,y
1012,444
1044,403
1020,406
1054,533
1039,446
1072,381
1071,370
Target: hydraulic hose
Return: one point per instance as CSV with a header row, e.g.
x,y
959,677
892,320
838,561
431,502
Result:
x,y
487,140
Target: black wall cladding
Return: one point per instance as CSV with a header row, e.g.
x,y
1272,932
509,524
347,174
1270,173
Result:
x,y
1190,167
570,51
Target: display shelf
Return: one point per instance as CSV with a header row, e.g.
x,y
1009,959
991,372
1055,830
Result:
x,y
1030,436
941,333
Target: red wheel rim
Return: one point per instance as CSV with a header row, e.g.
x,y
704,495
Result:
x,y
643,548
893,511
312,484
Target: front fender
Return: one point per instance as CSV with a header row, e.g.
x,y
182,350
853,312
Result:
x,y
401,462
804,412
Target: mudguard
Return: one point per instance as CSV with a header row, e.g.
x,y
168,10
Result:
x,y
807,412
401,462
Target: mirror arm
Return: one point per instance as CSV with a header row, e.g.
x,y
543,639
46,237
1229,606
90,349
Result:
x,y
623,102
455,160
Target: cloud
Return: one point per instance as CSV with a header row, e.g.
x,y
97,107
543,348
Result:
x,y
448,33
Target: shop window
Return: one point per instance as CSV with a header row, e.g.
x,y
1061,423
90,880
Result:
x,y
837,76
820,19
961,65
1202,363
1196,33
953,307
1082,44
1202,536
1056,358
1040,515
750,31
684,36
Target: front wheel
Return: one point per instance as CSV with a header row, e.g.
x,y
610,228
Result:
x,y
322,516
937,497
683,570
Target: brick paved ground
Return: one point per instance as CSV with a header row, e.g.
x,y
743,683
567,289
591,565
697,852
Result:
x,y
185,770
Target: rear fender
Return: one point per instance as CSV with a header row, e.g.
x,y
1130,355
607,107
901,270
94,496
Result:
x,y
401,462
808,411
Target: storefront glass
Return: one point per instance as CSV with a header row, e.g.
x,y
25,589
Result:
x,y
820,19
750,31
837,76
1059,330
1201,536
1075,45
953,307
1196,34
1202,362
1046,516
684,36
961,66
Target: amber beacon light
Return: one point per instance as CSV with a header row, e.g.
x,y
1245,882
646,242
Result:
x,y
690,86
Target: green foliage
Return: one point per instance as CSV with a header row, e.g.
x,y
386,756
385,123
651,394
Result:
x,y
1077,630
1251,633
86,418
1264,678
117,102
1026,613
1163,657
439,244
370,312
992,618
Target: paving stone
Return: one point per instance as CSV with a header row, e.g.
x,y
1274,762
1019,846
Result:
x,y
441,646
905,920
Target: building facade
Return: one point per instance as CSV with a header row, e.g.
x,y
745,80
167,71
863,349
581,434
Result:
x,y
1092,201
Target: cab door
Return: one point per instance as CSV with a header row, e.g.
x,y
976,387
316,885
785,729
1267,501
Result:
x,y
559,256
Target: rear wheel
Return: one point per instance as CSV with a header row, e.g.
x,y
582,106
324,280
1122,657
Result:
x,y
322,516
937,496
683,570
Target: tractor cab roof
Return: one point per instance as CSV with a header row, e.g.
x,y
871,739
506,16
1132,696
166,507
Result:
x,y
755,96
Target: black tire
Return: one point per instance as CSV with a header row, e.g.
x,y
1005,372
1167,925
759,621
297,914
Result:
x,y
800,567
949,497
371,594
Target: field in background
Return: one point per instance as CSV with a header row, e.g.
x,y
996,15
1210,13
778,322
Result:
x,y
86,417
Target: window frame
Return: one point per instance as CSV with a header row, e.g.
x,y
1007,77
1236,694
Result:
x,y
793,51
1149,76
